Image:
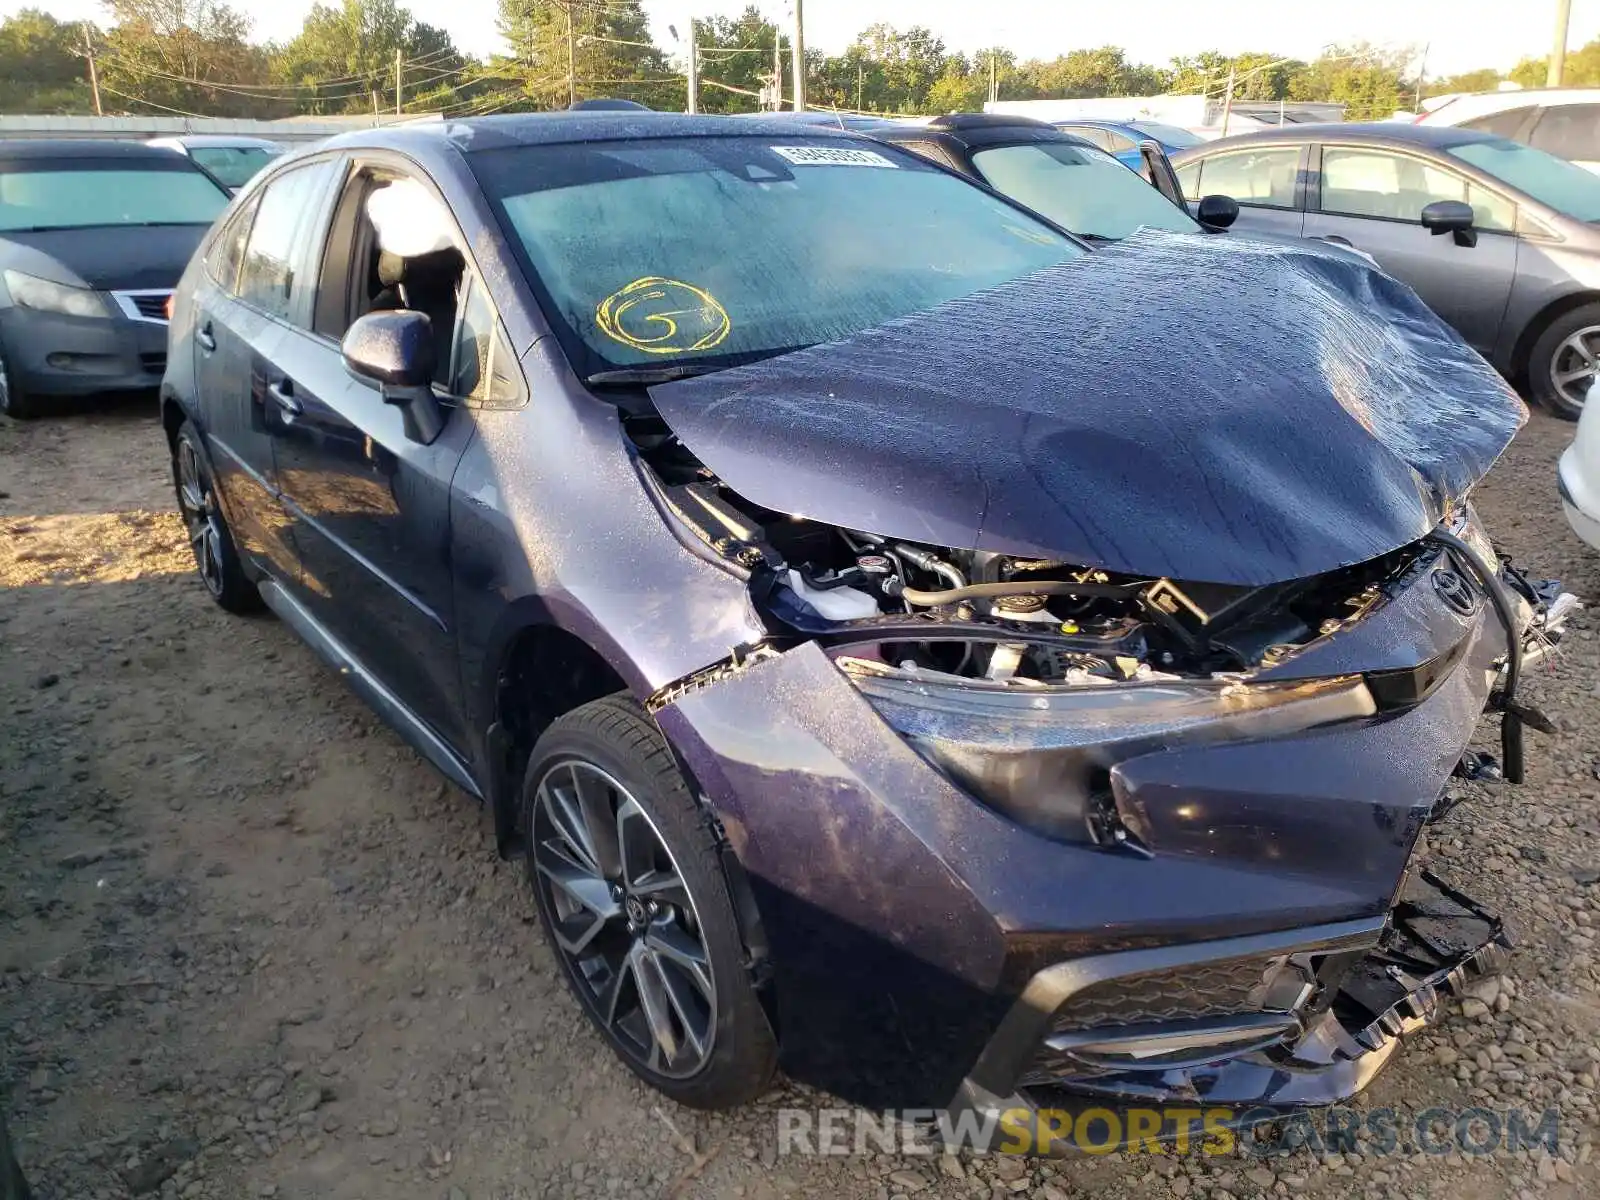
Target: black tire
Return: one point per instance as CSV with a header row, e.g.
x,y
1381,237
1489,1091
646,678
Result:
x,y
216,557
14,402
1559,350
615,737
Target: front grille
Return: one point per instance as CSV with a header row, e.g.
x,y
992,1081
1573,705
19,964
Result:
x,y
1212,989
155,364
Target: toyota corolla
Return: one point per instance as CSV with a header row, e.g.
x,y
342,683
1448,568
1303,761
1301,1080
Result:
x,y
906,646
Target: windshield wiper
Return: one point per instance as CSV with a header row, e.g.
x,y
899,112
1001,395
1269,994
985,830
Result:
x,y
648,375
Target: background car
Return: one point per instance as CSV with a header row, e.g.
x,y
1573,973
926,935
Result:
x,y
1121,139
1560,121
232,160
1498,238
93,236
1578,477
1063,177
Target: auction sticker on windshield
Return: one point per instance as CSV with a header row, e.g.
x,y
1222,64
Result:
x,y
832,156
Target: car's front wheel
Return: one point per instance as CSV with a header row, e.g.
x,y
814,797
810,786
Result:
x,y
630,889
1565,362
14,402
215,555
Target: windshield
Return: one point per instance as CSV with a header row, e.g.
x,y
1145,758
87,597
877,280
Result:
x,y
80,194
1168,135
1084,190
233,165
1550,180
663,252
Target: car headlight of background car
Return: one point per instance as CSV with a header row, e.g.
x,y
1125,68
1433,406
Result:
x,y
1043,757
46,295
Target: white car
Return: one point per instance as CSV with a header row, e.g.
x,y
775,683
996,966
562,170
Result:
x,y
231,160
1560,121
1578,474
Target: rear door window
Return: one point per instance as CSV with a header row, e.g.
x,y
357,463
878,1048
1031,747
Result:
x,y
1569,131
1502,124
1264,177
278,255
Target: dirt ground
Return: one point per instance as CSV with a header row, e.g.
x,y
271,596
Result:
x,y
251,945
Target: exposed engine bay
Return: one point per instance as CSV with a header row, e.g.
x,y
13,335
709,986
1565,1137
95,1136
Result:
x,y
1017,622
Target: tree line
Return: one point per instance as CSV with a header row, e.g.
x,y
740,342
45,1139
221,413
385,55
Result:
x,y
197,57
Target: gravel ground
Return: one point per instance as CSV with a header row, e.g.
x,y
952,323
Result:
x,y
250,945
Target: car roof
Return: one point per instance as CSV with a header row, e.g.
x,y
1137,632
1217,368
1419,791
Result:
x,y
974,130
1397,133
221,140
506,131
33,149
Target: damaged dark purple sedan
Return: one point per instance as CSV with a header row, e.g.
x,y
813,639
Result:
x,y
963,668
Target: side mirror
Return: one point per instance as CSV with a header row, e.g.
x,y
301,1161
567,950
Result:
x,y
1219,212
1451,216
394,349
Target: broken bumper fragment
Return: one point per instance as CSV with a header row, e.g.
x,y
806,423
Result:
x,y
1261,1024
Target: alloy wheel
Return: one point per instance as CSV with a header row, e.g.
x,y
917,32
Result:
x,y
198,509
5,387
623,919
1575,364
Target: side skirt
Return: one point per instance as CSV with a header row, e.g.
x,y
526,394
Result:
x,y
384,702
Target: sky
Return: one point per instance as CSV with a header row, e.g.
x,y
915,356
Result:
x,y
1476,33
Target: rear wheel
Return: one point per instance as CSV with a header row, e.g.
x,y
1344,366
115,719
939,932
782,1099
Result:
x,y
630,889
215,555
1565,362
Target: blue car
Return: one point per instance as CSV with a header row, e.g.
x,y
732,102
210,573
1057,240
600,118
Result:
x,y
899,642
1121,138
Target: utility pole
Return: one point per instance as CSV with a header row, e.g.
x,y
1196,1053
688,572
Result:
x,y
1422,73
1227,105
572,58
860,82
777,70
797,44
94,76
399,66
694,71
1558,51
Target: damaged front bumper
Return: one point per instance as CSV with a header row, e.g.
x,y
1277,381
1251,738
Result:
x,y
1267,1023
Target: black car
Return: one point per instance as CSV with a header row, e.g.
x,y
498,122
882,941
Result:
x,y
884,662
93,236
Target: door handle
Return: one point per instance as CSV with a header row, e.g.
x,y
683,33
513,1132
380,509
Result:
x,y
283,393
205,339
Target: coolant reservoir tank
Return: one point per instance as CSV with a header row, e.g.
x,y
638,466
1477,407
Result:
x,y
837,604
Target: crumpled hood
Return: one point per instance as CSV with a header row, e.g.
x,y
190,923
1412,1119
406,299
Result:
x,y
1212,410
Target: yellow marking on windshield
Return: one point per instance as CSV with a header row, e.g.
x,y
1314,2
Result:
x,y
663,316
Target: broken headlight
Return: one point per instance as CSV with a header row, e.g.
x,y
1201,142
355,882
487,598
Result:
x,y
1043,756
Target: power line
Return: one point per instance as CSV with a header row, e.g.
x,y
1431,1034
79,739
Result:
x,y
141,100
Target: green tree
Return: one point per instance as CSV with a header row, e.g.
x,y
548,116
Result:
x,y
1368,80
1582,69
40,67
1080,73
896,69
1486,79
574,49
343,59
736,52
190,56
